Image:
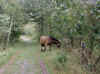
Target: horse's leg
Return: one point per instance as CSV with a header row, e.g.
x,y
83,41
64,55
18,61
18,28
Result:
x,y
50,47
42,47
46,46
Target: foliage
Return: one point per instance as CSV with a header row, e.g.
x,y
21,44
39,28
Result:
x,y
63,19
15,14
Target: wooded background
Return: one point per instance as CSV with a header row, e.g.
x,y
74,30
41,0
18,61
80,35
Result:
x,y
74,22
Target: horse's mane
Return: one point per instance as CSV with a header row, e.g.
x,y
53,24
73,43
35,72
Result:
x,y
53,38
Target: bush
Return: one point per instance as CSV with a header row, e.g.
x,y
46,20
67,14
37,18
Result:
x,y
60,61
61,58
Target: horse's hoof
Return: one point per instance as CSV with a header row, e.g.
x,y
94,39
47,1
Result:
x,y
49,50
42,50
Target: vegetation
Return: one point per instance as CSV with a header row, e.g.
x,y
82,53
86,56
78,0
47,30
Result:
x,y
70,21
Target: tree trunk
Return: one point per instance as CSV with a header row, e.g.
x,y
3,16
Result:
x,y
10,28
72,42
97,61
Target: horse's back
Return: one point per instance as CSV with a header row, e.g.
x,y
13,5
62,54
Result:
x,y
44,39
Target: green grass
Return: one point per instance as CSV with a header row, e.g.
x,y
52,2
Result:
x,y
28,52
32,51
6,55
49,58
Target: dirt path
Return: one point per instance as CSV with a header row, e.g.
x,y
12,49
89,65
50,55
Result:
x,y
24,62
10,62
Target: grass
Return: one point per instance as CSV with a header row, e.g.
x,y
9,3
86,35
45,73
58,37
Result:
x,y
71,66
50,59
6,55
28,52
32,51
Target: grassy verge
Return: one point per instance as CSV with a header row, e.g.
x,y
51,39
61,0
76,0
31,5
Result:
x,y
51,59
6,55
51,62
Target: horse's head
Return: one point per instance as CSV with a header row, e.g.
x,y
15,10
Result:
x,y
58,44
55,41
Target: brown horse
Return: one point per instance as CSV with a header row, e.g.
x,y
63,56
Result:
x,y
46,41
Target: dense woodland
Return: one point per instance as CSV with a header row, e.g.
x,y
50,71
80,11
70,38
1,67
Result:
x,y
75,23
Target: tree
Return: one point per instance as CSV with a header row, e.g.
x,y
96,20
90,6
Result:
x,y
15,13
